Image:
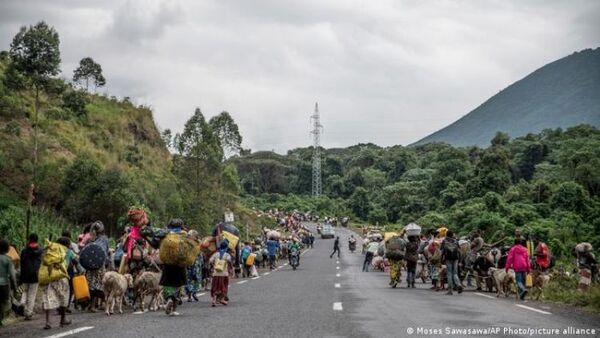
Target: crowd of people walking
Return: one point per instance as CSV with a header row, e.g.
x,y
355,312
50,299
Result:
x,y
166,265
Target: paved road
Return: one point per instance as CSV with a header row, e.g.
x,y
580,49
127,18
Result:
x,y
326,298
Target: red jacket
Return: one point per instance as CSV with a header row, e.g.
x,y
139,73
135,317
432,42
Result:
x,y
518,259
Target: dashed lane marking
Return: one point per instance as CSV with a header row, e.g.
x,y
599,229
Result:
x,y
337,306
200,294
70,332
337,267
337,285
285,264
338,275
533,309
337,262
486,296
266,273
242,282
138,313
257,277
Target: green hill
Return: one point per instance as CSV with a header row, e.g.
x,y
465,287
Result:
x,y
118,139
561,94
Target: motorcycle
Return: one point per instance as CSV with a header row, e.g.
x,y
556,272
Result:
x,y
352,246
295,259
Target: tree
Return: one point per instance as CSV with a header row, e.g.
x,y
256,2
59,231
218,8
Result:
x,y
359,203
87,71
227,133
35,55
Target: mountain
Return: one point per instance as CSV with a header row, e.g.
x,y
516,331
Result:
x,y
562,94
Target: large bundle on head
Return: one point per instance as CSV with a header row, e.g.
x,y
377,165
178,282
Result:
x,y
92,256
395,248
583,247
227,231
442,231
178,249
137,216
274,235
412,230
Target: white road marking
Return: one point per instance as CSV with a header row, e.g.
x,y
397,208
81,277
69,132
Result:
x,y
337,267
285,264
337,275
256,277
486,296
533,309
281,266
138,313
266,273
70,332
242,282
200,294
337,306
337,262
337,285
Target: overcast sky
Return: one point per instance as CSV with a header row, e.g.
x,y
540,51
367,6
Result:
x,y
387,72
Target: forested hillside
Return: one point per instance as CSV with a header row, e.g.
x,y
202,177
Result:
x,y
93,156
562,94
548,183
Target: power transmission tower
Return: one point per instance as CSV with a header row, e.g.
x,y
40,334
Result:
x,y
316,165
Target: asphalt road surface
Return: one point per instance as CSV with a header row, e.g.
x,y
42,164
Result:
x,y
330,298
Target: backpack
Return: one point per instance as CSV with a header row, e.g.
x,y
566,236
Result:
x,y
451,250
396,248
220,265
411,252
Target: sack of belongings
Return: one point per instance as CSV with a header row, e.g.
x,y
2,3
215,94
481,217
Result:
x,y
53,263
395,248
178,249
92,256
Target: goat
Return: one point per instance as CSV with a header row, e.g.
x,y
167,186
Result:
x,y
115,286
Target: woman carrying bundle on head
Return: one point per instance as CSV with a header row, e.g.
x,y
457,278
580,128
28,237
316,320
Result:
x,y
134,243
222,268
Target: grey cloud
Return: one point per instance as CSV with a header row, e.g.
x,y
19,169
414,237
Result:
x,y
388,72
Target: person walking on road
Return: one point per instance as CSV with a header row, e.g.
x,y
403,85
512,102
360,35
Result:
x,y
371,250
222,264
173,277
31,259
518,260
272,246
451,255
8,279
336,247
411,260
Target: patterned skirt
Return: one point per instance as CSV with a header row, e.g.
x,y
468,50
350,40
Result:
x,y
219,286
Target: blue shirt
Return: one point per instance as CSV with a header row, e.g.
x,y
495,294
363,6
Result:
x,y
272,247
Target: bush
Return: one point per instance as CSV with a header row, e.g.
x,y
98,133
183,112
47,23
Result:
x,y
13,128
75,101
564,290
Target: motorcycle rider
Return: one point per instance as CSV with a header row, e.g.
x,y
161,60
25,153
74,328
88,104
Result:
x,y
293,245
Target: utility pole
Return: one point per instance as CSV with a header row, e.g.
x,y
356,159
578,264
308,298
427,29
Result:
x,y
316,165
